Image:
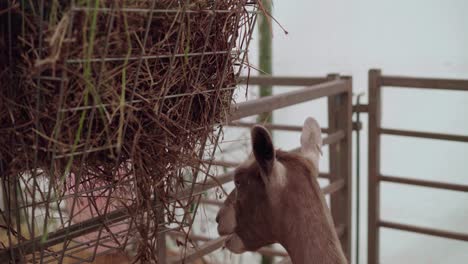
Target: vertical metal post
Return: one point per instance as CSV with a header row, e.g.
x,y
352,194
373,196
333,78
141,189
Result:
x,y
266,67
340,118
374,167
265,56
358,180
346,171
333,155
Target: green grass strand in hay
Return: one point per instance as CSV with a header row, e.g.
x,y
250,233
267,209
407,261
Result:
x,y
89,85
124,84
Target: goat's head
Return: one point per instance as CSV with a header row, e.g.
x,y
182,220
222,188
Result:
x,y
269,185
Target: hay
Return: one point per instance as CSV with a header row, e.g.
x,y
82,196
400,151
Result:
x,y
120,94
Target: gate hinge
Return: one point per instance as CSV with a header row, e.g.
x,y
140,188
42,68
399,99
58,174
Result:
x,y
361,108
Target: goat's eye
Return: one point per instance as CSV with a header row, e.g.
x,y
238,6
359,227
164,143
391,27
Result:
x,y
237,183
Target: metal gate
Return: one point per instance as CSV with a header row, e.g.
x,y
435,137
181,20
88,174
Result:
x,y
377,82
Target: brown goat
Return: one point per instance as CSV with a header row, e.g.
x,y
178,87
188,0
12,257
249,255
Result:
x,y
277,199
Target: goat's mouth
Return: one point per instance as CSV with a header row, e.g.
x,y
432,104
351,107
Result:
x,y
225,229
234,244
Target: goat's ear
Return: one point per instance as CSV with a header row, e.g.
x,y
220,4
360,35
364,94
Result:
x,y
311,141
263,150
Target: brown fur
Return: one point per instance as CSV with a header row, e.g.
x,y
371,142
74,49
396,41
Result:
x,y
294,215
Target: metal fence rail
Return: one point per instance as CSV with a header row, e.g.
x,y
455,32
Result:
x,y
377,82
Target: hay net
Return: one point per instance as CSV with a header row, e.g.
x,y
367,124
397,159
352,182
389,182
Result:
x,y
107,111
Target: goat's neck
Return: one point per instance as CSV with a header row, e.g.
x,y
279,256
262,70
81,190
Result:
x,y
313,239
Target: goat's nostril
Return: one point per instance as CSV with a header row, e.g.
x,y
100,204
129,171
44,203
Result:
x,y
217,218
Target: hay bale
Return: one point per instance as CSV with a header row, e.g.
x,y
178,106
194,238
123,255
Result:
x,y
117,93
